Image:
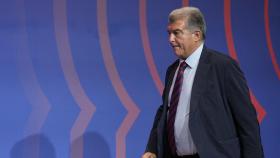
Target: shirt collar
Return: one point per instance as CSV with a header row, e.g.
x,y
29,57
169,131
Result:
x,y
193,59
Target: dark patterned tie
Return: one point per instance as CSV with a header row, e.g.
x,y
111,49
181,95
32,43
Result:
x,y
173,107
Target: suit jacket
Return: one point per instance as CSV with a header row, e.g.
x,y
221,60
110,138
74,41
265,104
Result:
x,y
222,120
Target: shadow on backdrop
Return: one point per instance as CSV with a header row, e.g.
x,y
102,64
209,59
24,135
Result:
x,y
34,146
90,145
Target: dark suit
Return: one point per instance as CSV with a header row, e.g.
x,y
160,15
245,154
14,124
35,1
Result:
x,y
222,120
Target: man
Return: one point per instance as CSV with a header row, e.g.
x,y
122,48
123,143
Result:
x,y
206,111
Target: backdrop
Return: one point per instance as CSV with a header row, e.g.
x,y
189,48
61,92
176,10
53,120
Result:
x,y
83,78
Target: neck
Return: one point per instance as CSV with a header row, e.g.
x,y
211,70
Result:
x,y
196,45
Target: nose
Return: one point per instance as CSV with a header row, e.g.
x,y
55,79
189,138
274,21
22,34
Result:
x,y
171,38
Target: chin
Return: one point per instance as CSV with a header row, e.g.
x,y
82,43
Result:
x,y
178,54
181,56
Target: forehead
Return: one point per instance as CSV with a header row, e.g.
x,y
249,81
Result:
x,y
179,24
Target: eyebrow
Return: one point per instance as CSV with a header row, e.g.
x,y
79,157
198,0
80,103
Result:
x,y
175,30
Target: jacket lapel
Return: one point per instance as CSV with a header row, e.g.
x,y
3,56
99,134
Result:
x,y
170,76
200,80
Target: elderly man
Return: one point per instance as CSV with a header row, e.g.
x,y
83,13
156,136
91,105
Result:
x,y
206,110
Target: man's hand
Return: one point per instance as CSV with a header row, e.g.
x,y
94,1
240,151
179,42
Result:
x,y
149,155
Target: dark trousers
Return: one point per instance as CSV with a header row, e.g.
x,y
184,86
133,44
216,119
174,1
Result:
x,y
186,156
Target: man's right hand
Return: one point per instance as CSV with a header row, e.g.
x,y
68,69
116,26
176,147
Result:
x,y
149,155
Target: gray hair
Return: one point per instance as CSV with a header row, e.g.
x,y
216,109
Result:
x,y
194,19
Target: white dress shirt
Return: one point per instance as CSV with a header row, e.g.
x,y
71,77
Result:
x,y
183,138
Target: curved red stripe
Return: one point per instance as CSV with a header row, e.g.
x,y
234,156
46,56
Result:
x,y
65,56
228,30
185,3
269,41
40,105
131,107
230,43
38,100
146,45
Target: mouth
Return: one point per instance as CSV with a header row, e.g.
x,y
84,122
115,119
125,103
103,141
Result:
x,y
175,46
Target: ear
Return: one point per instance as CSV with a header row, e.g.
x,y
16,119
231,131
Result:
x,y
197,36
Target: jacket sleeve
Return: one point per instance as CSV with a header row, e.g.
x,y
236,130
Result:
x,y
153,138
152,142
243,112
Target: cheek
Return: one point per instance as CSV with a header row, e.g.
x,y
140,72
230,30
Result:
x,y
181,42
184,43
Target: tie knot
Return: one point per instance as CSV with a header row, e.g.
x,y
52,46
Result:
x,y
183,65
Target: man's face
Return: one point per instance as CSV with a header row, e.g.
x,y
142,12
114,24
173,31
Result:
x,y
182,40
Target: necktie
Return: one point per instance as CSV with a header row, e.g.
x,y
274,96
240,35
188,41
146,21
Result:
x,y
173,107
